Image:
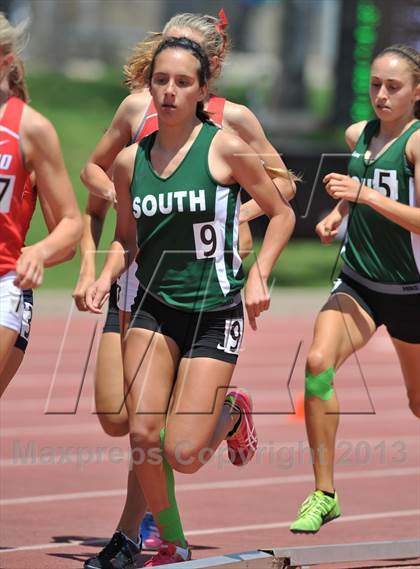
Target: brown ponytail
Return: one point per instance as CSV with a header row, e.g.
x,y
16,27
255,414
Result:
x,y
17,83
12,41
136,70
203,115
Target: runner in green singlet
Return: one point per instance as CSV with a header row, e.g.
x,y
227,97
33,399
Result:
x,y
178,204
380,279
132,120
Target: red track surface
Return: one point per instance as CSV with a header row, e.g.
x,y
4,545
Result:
x,y
51,503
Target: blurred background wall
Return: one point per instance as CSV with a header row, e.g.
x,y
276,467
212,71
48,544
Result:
x,y
284,51
301,65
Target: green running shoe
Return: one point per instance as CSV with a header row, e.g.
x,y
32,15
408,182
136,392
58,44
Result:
x,y
316,510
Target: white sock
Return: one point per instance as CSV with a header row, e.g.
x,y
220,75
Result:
x,y
136,543
183,552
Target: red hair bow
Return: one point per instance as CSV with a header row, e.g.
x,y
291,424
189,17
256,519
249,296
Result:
x,y
223,21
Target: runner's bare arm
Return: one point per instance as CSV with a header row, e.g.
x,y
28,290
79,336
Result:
x,y
51,222
124,247
95,173
93,221
43,156
238,163
245,124
351,135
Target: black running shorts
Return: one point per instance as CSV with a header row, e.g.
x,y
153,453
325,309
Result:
x,y
217,334
399,313
112,322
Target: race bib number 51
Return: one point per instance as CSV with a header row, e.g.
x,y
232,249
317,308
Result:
x,y
386,182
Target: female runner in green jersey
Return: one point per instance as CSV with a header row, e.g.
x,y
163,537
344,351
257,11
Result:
x,y
134,114
180,187
380,280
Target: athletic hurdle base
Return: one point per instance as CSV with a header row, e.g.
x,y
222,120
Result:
x,y
305,557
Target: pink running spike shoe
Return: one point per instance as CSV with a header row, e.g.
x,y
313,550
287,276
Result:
x,y
169,553
242,445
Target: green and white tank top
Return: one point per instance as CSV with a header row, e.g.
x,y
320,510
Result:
x,y
376,247
187,230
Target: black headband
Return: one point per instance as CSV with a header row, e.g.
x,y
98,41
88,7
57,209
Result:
x,y
191,46
403,53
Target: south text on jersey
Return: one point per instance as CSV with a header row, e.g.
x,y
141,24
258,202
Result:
x,y
166,203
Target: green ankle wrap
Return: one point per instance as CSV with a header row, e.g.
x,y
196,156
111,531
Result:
x,y
169,520
319,385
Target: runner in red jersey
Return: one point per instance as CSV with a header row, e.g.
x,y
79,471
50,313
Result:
x,y
135,118
18,89
16,354
13,177
28,147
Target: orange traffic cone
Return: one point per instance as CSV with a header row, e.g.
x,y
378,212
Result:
x,y
299,414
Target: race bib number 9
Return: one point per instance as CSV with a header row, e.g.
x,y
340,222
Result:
x,y
208,241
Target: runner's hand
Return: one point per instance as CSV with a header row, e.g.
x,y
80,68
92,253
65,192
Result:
x,y
97,294
30,267
79,293
327,228
257,297
342,187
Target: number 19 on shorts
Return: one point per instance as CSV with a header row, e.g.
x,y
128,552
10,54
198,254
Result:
x,y
234,331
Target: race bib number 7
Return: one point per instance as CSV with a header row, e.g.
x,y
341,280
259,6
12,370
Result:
x,y
7,183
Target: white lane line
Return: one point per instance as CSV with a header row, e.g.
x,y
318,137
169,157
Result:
x,y
355,518
70,543
264,417
52,430
221,485
268,392
226,529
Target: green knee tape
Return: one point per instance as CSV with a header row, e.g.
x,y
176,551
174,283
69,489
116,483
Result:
x,y
169,520
319,385
162,437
